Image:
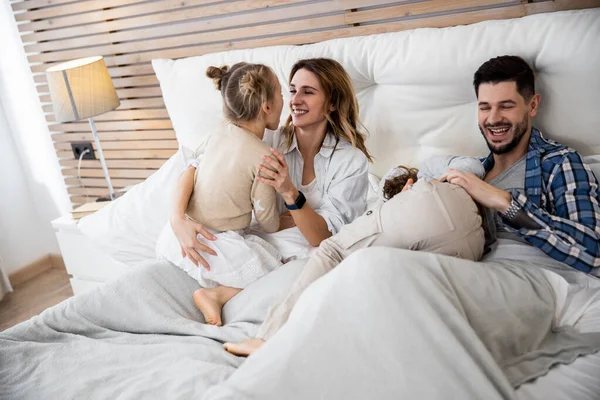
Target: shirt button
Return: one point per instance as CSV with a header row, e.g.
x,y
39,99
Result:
x,y
369,212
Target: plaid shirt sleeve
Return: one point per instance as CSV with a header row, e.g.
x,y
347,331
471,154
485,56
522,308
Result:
x,y
571,233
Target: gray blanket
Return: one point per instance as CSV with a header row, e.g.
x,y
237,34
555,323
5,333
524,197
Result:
x,y
386,323
137,337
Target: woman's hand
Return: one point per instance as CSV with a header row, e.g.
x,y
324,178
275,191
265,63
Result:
x,y
286,221
186,232
276,174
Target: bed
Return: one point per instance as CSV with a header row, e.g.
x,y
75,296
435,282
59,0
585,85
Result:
x,y
140,336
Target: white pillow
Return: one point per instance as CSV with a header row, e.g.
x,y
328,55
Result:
x,y
193,103
594,163
128,228
182,85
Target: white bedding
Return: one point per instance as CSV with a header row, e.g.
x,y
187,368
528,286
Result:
x,y
581,379
141,337
347,339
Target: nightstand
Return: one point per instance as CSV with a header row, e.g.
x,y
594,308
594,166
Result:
x,y
88,266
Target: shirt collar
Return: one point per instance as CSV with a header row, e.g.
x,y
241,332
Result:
x,y
537,141
329,143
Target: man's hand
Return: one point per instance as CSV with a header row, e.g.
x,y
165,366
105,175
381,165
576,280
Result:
x,y
482,192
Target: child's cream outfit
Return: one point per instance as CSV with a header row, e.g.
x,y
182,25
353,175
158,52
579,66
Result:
x,y
226,193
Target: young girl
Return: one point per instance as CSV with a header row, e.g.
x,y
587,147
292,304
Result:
x,y
417,212
224,189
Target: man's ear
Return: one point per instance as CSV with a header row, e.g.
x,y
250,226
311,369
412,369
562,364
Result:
x,y
534,104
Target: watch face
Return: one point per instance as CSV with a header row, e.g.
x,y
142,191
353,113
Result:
x,y
300,200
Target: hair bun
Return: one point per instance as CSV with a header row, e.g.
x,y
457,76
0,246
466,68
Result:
x,y
217,74
252,82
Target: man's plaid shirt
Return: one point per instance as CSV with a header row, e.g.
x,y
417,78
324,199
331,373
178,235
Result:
x,y
562,196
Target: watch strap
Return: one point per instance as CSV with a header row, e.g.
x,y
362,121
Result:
x,y
298,204
511,211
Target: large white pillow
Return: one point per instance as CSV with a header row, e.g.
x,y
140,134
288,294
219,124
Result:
x,y
128,228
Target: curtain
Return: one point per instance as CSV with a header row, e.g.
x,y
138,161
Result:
x,y
4,282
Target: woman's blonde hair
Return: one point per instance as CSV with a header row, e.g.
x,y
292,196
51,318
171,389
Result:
x,y
244,87
343,120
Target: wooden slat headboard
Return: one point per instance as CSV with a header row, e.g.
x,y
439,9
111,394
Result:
x,y
138,137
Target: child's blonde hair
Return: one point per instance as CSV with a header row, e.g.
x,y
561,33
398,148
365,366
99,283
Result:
x,y
244,87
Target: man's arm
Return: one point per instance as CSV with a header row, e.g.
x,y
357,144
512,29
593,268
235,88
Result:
x,y
571,233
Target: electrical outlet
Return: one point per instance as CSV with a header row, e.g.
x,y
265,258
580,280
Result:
x,y
80,147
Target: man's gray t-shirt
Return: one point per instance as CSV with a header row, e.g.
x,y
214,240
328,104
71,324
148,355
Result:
x,y
512,178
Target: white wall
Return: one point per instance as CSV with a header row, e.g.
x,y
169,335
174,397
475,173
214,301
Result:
x,y
32,190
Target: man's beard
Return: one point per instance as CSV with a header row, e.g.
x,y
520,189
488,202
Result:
x,y
519,131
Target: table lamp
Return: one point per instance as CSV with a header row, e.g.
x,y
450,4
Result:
x,y
81,89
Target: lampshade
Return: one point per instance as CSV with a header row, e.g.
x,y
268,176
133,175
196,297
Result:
x,y
81,89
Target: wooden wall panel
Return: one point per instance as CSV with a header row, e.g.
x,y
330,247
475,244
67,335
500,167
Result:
x,y
138,137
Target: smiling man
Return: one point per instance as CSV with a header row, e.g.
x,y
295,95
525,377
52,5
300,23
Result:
x,y
543,193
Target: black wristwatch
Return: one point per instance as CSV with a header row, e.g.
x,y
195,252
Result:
x,y
298,204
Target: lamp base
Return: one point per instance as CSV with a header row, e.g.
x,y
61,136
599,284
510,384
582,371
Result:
x,y
107,197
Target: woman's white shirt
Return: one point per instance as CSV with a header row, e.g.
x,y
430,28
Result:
x,y
341,177
312,194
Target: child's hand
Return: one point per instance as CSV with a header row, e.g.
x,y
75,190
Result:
x,y
186,232
275,173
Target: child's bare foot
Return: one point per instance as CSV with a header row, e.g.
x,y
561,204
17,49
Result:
x,y
244,348
208,301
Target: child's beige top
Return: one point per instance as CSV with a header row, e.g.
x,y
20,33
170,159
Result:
x,y
225,186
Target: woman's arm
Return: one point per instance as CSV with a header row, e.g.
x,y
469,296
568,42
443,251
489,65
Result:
x,y
312,225
185,229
